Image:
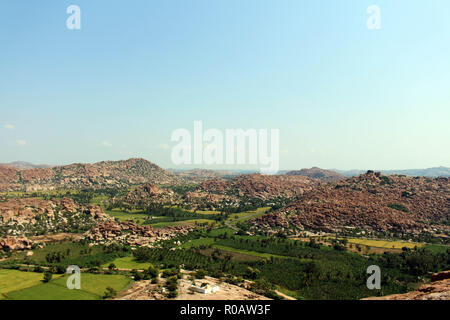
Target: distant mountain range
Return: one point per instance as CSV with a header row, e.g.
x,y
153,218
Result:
x,y
429,172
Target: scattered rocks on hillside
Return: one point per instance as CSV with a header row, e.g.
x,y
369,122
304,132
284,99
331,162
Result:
x,y
370,202
106,174
131,234
30,216
149,193
438,289
15,243
260,186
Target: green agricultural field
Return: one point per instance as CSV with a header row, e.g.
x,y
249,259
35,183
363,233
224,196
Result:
x,y
253,253
385,243
183,222
437,248
93,287
220,231
247,215
12,280
198,242
127,263
135,215
75,250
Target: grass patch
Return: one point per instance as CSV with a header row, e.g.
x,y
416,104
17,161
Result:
x,y
437,248
184,222
253,253
385,243
127,263
93,287
13,280
122,216
198,243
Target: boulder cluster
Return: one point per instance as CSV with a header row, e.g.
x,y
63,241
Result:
x,y
132,234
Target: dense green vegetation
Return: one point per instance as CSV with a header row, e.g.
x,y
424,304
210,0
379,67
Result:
x,y
309,270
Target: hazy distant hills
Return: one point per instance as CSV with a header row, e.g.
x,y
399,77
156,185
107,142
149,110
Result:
x,y
429,172
317,173
25,165
200,175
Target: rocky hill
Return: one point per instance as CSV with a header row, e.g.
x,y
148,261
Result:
x,y
317,173
132,234
370,202
148,193
107,174
21,218
260,186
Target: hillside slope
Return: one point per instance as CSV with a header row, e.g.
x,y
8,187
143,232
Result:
x,y
106,174
368,202
317,173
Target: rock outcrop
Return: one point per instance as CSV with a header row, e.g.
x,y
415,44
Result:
x,y
30,216
15,243
131,234
149,193
438,289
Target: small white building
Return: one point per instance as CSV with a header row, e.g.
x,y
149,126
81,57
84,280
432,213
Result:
x,y
204,288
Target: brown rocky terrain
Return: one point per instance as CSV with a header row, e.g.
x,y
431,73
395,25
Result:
x,y
369,202
131,234
15,243
106,174
149,193
260,186
29,210
208,200
217,192
438,289
200,175
21,218
317,173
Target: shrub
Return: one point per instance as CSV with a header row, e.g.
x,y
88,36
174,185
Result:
x,y
47,276
398,207
109,293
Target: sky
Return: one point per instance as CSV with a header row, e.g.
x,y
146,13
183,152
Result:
x,y
342,95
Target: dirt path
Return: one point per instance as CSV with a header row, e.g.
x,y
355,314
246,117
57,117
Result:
x,y
285,296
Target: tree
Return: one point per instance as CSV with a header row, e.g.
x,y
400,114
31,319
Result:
x,y
109,293
47,276
200,274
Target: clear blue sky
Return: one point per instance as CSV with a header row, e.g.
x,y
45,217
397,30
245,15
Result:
x,y
342,96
